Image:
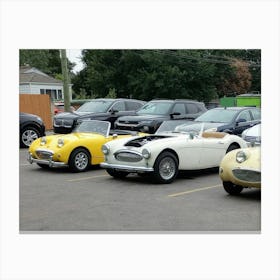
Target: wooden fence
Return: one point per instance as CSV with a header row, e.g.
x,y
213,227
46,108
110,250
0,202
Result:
x,y
38,104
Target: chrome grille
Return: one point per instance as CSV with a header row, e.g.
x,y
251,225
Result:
x,y
44,154
128,156
247,175
132,123
128,122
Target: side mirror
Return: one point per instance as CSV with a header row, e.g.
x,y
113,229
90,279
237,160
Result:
x,y
113,111
115,136
174,114
240,121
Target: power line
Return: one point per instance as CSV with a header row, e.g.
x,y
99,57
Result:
x,y
227,61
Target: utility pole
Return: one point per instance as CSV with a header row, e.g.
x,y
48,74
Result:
x,y
65,75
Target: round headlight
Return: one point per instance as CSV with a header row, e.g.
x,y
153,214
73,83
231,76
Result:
x,y
60,142
43,141
105,149
146,153
241,156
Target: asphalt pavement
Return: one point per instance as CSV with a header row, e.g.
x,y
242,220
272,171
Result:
x,y
57,200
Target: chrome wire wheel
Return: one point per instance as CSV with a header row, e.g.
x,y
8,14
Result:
x,y
167,168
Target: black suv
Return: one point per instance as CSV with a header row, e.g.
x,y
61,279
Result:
x,y
152,114
104,109
31,127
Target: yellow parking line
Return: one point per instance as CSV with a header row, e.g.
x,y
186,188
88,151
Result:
x,y
86,178
192,191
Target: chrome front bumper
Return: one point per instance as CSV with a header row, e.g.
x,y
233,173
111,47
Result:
x,y
48,162
128,168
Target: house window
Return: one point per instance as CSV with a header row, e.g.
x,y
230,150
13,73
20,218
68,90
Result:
x,y
53,93
49,92
59,94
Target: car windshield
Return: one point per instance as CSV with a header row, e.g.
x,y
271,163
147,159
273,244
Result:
x,y
92,126
217,115
178,126
96,106
155,108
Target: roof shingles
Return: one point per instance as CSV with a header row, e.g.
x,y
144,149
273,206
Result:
x,y
26,75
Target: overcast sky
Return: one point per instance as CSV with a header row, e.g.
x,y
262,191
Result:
x,y
74,55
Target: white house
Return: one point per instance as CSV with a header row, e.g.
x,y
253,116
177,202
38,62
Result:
x,y
34,81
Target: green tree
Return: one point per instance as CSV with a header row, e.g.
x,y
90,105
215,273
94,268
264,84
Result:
x,y
251,57
46,60
147,74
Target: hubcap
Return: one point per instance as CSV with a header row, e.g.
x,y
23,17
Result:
x,y
81,161
167,168
28,137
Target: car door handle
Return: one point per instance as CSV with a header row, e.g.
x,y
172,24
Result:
x,y
220,142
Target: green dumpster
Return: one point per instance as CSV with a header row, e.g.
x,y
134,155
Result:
x,y
248,100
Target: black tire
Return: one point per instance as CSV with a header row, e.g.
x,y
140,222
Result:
x,y
28,135
232,188
165,168
117,174
79,160
44,166
232,147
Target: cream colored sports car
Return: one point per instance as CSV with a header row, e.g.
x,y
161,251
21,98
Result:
x,y
241,169
172,148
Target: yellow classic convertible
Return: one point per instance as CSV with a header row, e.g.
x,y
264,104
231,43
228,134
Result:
x,y
77,150
241,168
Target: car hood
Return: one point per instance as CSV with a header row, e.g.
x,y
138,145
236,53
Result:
x,y
71,137
253,158
135,143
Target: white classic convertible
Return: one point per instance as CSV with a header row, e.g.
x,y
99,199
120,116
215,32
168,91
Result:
x,y
170,149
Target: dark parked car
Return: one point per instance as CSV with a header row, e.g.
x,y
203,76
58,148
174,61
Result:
x,y
233,120
103,109
59,107
152,114
31,127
